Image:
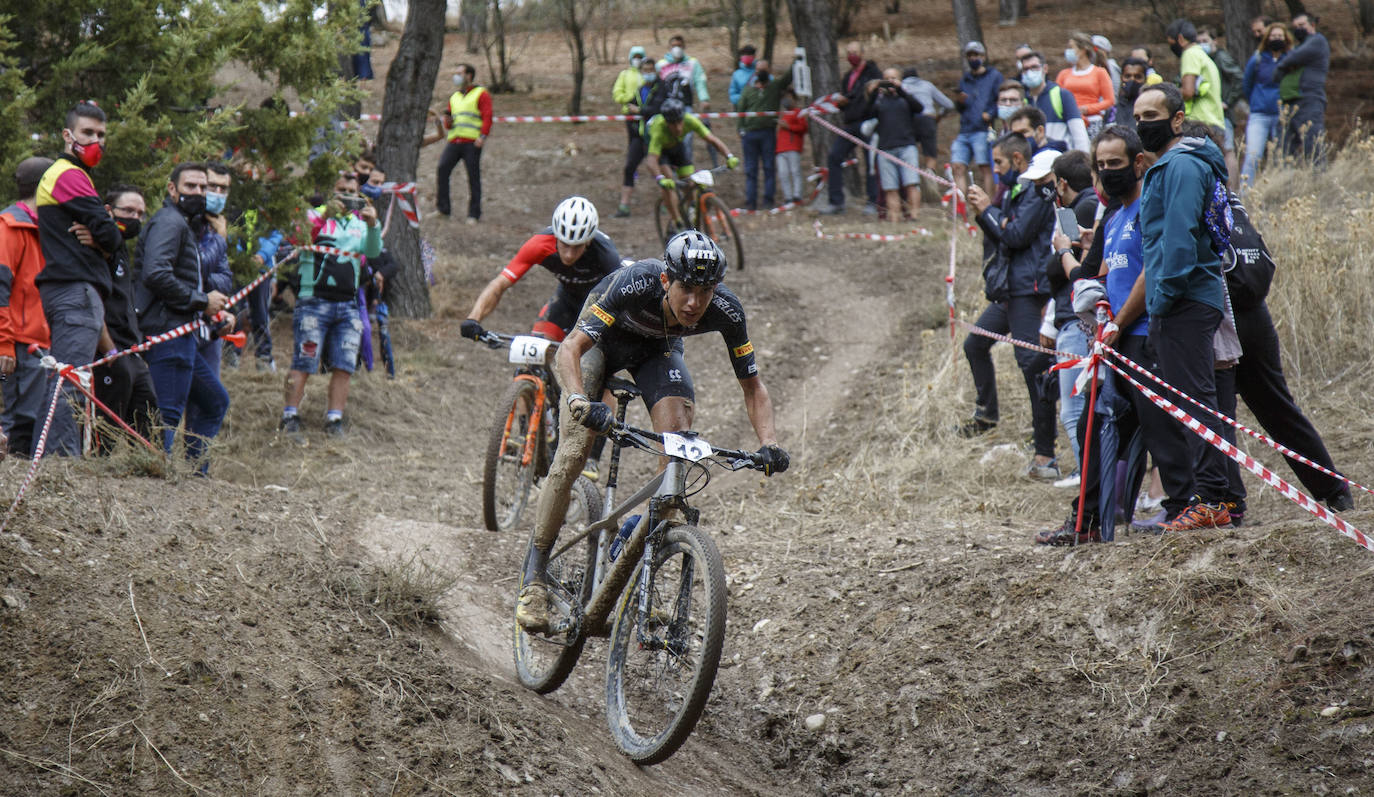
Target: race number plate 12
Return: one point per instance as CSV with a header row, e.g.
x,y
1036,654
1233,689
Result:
x,y
528,350
691,449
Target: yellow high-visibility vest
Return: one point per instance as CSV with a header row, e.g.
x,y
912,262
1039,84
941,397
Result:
x,y
467,118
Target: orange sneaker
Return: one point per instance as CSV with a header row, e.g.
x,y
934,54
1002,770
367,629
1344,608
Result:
x,y
1199,516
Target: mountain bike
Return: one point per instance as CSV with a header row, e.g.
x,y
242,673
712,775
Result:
x,y
702,210
661,600
524,432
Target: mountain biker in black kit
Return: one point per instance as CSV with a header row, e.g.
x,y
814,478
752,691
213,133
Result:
x,y
635,320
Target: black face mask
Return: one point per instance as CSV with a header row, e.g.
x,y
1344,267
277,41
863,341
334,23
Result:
x,y
1274,46
1118,183
1177,50
129,227
1155,135
1130,89
1300,34
191,205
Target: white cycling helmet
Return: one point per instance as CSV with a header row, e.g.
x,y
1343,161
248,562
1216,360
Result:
x,y
575,221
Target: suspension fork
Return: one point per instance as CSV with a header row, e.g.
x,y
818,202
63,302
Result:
x,y
532,437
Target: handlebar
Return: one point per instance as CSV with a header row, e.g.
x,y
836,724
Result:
x,y
730,459
497,340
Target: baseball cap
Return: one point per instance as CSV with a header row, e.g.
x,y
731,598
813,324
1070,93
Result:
x,y
1040,165
1102,43
975,47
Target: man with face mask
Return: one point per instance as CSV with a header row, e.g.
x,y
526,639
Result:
x,y
468,119
125,385
212,239
853,106
1303,89
759,134
976,98
1183,284
1018,236
326,323
25,381
1232,78
170,291
1116,258
638,143
1063,120
743,75
1134,73
1201,84
75,278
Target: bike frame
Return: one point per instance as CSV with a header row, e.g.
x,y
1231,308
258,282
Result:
x,y
536,416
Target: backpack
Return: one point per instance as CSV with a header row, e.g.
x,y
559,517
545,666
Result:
x,y
1245,260
675,86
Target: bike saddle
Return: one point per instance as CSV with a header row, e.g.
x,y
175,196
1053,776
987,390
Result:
x,y
622,389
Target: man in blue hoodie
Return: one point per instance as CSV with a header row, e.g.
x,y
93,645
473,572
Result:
x,y
1183,283
740,80
977,103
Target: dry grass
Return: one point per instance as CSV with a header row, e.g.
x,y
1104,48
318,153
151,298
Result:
x,y
402,592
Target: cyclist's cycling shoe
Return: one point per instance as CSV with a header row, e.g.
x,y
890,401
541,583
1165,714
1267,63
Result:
x,y
532,608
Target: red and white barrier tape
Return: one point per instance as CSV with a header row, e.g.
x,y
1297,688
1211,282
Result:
x,y
402,196
1245,460
977,330
937,179
596,117
37,454
954,222
1279,447
818,176
920,232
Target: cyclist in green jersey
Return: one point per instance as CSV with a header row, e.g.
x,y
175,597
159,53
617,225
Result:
x,y
667,151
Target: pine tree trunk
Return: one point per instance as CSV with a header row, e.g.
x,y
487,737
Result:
x,y
770,27
1366,17
572,28
966,22
409,87
1236,15
813,26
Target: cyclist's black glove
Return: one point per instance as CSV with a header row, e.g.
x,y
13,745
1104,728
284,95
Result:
x,y
775,460
471,329
597,417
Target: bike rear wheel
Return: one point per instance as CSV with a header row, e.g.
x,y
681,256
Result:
x,y
506,480
542,664
663,662
719,226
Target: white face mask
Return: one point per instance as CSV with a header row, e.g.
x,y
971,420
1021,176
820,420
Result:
x,y
460,80
676,53
636,60
1071,55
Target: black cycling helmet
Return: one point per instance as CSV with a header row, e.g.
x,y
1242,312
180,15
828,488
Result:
x,y
672,110
693,258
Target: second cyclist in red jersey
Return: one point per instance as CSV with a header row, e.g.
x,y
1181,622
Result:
x,y
573,250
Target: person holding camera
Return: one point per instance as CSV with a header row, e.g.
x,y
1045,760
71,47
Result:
x,y
896,112
326,320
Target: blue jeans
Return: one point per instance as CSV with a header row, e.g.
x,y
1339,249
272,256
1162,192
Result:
x,y
331,329
840,149
183,379
1073,339
1259,131
75,315
760,150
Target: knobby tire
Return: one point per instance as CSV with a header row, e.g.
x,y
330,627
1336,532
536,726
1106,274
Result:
x,y
719,226
655,697
506,485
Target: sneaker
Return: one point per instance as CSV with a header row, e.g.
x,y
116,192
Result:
x,y
532,608
1200,515
870,210
831,210
622,212
470,220
267,364
1341,501
976,426
592,470
291,427
1145,505
1151,523
1065,534
1072,480
1236,509
333,427
1049,472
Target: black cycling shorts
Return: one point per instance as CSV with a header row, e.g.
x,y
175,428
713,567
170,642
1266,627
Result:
x,y
657,374
677,156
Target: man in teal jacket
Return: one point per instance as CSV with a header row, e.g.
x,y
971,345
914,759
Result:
x,y
1183,283
327,321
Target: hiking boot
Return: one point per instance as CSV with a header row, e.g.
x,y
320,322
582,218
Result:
x,y
976,426
1236,509
622,212
532,608
291,427
1201,515
592,470
333,427
1048,472
1341,501
1065,534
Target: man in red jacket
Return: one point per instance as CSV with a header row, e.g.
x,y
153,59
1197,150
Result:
x,y
21,313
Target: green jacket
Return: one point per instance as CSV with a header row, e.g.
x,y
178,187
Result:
x,y
765,98
626,90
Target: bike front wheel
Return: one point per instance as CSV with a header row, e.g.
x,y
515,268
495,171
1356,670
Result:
x,y
507,478
663,657
543,663
719,225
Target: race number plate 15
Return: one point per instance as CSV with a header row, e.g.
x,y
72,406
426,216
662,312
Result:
x,y
691,449
528,350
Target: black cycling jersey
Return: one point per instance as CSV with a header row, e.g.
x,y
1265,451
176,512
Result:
x,y
624,314
600,259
